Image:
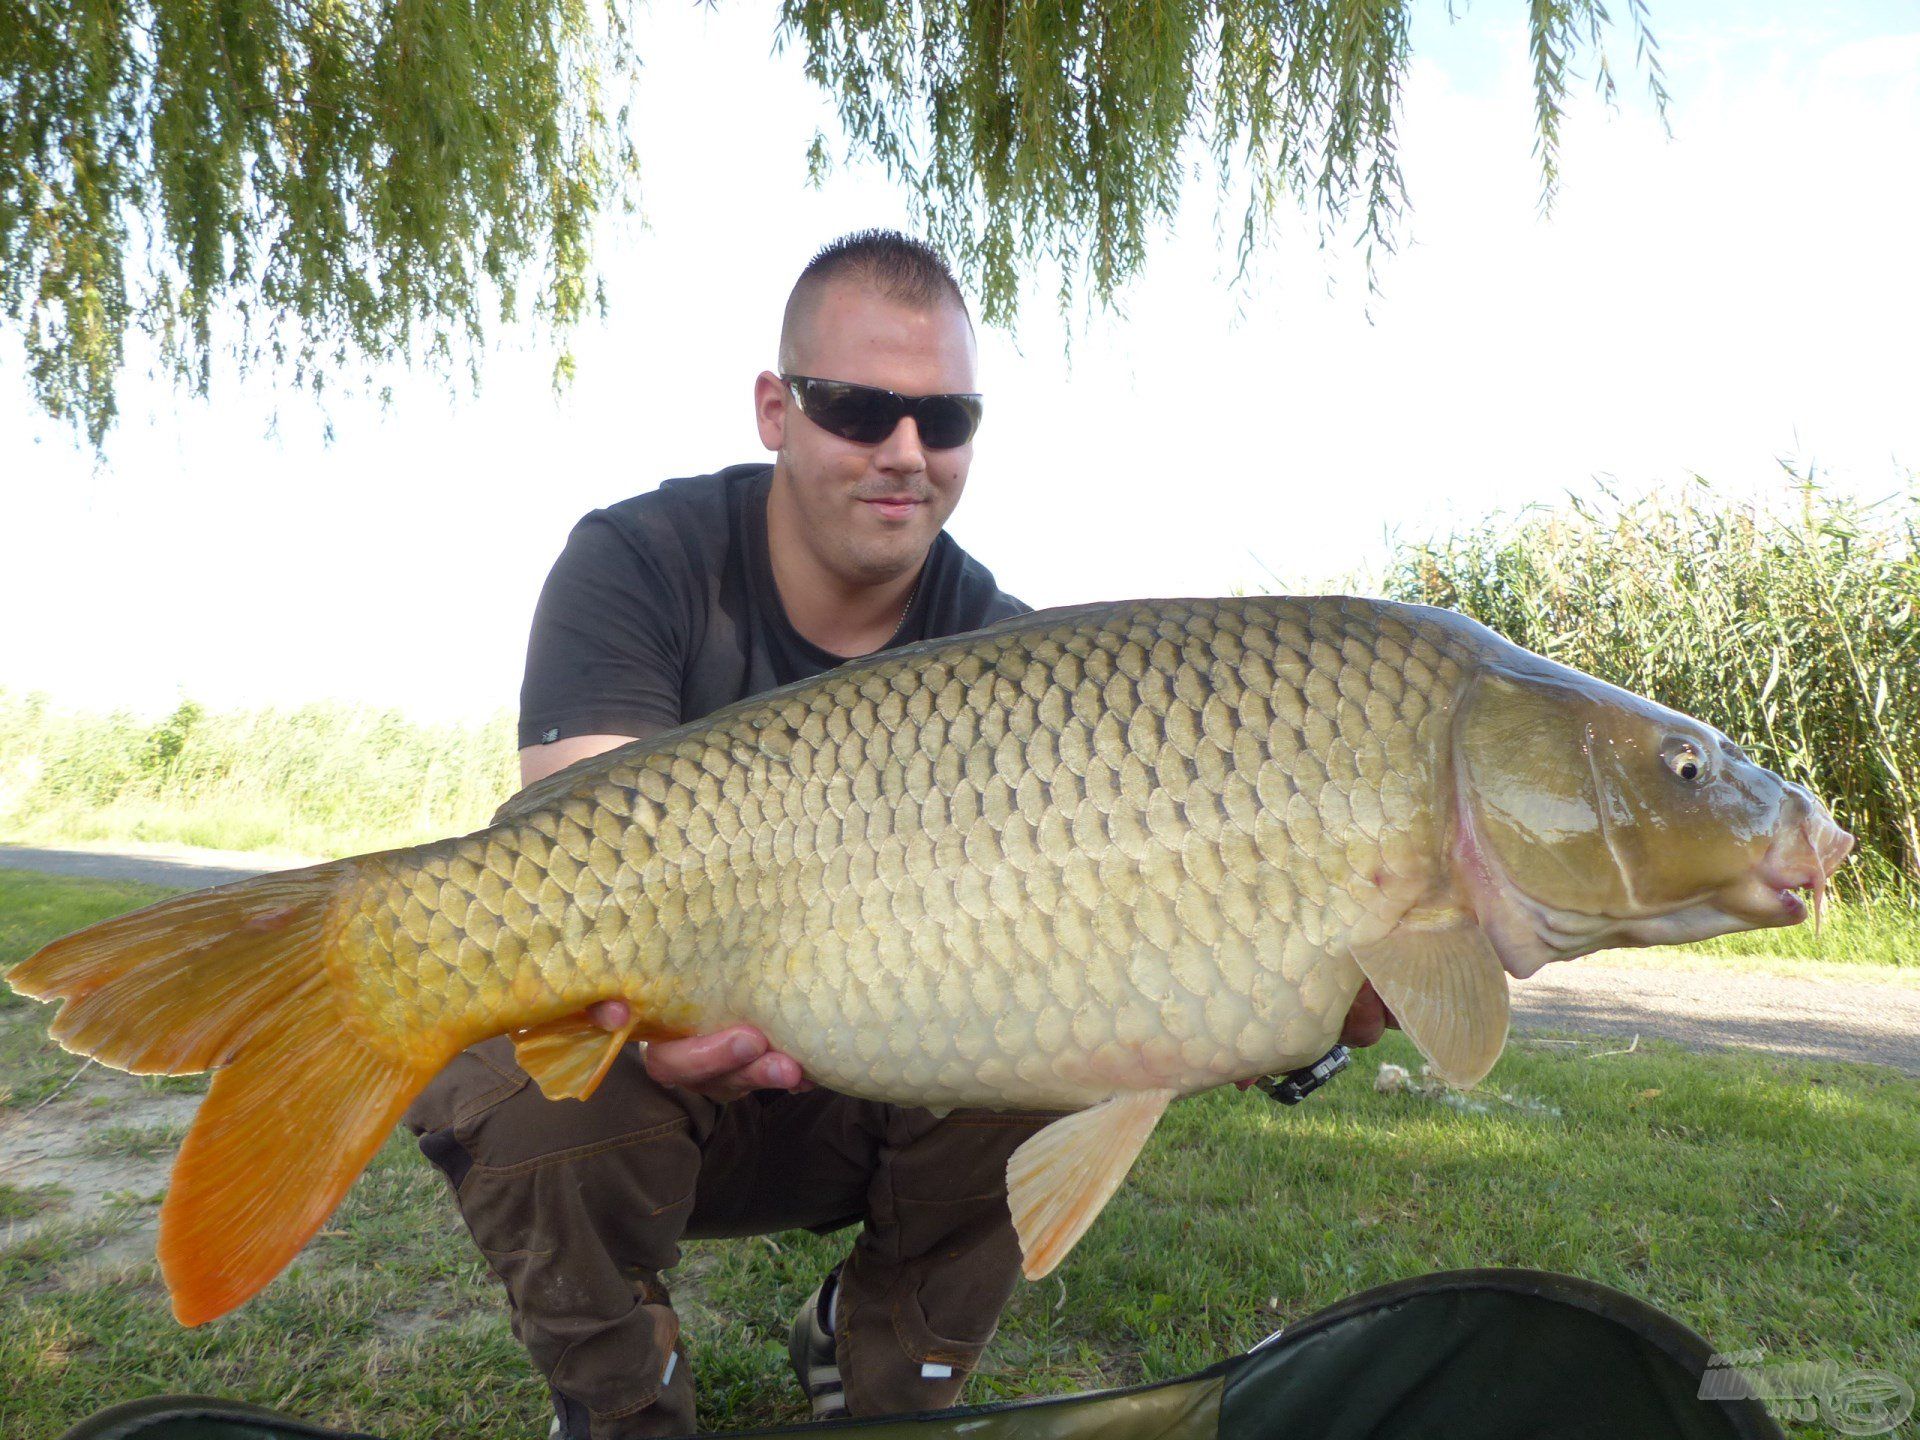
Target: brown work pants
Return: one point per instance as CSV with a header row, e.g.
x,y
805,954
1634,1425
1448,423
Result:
x,y
580,1206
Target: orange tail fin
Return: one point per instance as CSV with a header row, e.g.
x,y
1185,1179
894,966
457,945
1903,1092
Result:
x,y
235,978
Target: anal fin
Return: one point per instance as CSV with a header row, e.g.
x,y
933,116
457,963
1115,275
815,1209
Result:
x,y
567,1057
1060,1180
1448,990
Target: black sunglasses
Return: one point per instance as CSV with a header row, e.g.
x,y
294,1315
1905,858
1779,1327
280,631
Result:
x,y
866,414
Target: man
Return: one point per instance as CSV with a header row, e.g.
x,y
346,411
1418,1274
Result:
x,y
663,609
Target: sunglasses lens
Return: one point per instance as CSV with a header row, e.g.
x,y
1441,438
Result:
x,y
867,416
947,420
853,412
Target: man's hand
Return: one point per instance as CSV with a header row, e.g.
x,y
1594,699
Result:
x,y
1368,1020
722,1066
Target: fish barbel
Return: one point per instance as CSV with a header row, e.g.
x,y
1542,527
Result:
x,y
1089,860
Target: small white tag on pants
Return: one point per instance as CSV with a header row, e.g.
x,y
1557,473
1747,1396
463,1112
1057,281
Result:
x,y
936,1372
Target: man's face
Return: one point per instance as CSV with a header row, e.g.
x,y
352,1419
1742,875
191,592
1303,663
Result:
x,y
868,513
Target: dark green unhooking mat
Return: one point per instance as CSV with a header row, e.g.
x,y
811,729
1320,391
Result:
x,y
1465,1355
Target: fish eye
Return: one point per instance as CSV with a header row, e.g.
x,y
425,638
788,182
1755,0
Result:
x,y
1684,759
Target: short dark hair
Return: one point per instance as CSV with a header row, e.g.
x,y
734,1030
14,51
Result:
x,y
903,269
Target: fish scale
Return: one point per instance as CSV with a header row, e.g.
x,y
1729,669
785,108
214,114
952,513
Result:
x,y
1144,827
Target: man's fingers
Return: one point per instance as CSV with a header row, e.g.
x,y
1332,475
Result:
x,y
1386,1014
724,1065
609,1014
701,1058
772,1071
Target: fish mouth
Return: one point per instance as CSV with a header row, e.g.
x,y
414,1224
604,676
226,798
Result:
x,y
1792,908
1805,858
1784,892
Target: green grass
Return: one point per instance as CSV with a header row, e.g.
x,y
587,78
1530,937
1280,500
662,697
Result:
x,y
135,1142
1767,1203
21,1202
1883,932
37,908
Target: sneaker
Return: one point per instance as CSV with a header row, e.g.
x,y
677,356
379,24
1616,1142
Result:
x,y
569,1418
810,1348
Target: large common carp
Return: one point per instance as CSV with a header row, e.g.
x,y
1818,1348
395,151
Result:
x,y
1090,859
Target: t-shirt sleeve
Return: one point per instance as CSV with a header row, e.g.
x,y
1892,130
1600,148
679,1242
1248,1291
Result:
x,y
610,640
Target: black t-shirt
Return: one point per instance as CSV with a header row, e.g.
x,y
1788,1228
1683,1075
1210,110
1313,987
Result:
x,y
663,608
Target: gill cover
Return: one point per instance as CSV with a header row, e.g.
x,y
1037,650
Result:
x,y
1527,789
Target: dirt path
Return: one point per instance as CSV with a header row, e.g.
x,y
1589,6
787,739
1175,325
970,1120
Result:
x,y
1719,1006
148,864
1695,1002
107,1144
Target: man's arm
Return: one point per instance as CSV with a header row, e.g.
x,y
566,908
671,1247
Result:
x,y
539,761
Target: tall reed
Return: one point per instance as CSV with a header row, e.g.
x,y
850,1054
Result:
x,y
1787,623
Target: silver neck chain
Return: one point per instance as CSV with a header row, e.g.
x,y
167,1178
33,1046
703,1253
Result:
x,y
912,595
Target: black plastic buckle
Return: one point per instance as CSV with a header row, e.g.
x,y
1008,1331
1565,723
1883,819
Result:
x,y
1294,1086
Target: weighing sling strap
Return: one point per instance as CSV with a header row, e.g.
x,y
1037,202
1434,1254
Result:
x,y
1468,1354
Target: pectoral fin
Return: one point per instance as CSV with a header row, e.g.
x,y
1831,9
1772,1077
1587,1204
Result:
x,y
1448,990
1060,1180
567,1057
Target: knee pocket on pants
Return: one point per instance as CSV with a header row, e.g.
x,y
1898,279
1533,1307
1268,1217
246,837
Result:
x,y
627,1196
924,1345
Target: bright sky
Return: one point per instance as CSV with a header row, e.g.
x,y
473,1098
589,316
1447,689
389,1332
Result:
x,y
1742,293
